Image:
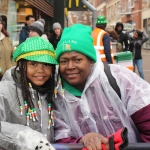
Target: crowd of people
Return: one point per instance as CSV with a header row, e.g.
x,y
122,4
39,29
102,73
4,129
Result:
x,y
125,42
65,88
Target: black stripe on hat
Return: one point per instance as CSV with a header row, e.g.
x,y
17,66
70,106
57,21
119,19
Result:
x,y
36,30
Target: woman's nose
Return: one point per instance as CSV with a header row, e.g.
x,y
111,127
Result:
x,y
70,64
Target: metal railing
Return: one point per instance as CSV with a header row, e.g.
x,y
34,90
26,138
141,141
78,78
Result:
x,y
131,146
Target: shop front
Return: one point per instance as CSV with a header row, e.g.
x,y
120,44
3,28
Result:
x,y
13,13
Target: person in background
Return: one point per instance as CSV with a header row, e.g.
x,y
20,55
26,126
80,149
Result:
x,y
24,33
123,39
26,114
88,108
135,46
56,35
113,35
37,29
101,39
6,50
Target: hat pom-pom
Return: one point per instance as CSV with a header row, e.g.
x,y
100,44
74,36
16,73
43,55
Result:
x,y
42,21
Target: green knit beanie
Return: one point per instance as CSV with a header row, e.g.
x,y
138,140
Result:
x,y
35,49
76,38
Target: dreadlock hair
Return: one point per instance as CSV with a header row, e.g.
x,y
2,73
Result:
x,y
51,82
22,64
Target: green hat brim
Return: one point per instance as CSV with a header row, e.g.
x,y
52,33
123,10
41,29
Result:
x,y
42,58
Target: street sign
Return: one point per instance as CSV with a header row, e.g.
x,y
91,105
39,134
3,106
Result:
x,y
128,26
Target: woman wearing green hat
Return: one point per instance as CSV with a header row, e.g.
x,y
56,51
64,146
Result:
x,y
88,108
26,114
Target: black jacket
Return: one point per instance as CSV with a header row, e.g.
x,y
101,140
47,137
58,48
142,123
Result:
x,y
123,39
24,34
54,41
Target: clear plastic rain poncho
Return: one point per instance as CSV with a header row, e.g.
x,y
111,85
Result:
x,y
100,109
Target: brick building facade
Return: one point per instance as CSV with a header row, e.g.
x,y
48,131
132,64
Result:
x,y
133,13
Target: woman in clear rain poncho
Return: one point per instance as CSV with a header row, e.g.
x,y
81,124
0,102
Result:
x,y
88,109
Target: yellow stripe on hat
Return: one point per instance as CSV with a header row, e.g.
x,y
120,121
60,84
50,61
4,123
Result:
x,y
41,52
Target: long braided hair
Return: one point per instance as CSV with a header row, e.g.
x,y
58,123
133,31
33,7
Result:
x,y
22,64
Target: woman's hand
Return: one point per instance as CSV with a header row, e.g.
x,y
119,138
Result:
x,y
93,141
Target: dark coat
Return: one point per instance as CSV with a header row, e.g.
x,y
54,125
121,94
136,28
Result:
x,y
24,34
54,41
123,39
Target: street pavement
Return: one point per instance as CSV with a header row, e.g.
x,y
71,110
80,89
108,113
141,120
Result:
x,y
146,64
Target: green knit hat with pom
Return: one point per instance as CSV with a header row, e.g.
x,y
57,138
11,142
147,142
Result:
x,y
76,38
101,20
35,49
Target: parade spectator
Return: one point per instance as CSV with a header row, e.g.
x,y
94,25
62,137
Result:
x,y
113,35
56,35
123,40
26,114
135,46
24,33
102,39
6,50
89,108
37,29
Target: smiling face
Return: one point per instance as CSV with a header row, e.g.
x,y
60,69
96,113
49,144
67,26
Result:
x,y
38,73
75,68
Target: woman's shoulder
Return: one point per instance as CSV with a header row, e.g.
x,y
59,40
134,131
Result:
x,y
7,39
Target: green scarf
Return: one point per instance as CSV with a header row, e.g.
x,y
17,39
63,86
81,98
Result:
x,y
71,89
